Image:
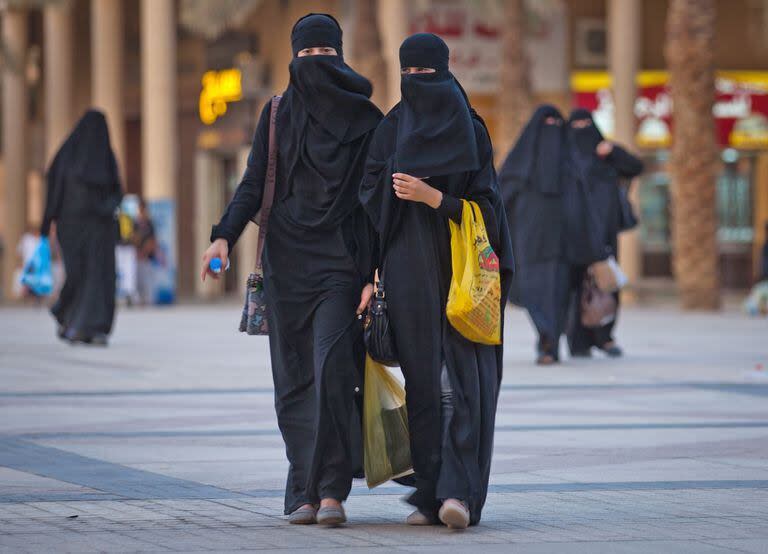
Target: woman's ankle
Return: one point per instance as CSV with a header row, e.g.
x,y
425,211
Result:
x,y
330,503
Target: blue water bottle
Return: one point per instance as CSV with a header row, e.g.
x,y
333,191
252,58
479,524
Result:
x,y
215,265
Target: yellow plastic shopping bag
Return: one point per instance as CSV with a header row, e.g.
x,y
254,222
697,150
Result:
x,y
474,299
386,446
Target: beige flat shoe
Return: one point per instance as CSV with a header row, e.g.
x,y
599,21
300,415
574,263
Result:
x,y
454,514
419,518
306,515
331,516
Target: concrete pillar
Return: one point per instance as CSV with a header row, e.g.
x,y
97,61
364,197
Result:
x,y
394,15
209,205
624,31
14,116
107,69
159,135
158,98
58,43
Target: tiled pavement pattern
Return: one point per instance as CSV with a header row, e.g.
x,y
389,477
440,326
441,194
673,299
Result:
x,y
167,441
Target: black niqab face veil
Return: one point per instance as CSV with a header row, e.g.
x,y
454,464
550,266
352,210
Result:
x,y
534,162
435,131
584,140
327,106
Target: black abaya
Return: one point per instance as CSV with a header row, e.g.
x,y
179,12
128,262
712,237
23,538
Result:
x,y
83,194
531,183
606,209
417,269
317,258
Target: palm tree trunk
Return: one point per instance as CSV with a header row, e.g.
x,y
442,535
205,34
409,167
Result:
x,y
367,57
690,56
515,100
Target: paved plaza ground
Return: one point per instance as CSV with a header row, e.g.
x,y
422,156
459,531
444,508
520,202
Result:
x,y
167,441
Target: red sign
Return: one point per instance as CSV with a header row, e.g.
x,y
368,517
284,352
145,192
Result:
x,y
740,109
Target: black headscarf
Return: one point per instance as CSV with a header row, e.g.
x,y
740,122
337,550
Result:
x,y
435,133
534,161
85,158
89,153
582,142
325,108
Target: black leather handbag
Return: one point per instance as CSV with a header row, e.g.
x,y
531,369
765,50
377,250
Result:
x,y
379,340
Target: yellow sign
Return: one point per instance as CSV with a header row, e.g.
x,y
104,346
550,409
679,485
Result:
x,y
219,89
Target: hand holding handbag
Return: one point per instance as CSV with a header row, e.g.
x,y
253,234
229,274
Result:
x,y
254,317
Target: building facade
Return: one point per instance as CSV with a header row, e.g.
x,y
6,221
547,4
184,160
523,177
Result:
x,y
182,83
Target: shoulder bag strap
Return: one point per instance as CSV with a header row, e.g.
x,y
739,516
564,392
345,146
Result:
x,y
269,182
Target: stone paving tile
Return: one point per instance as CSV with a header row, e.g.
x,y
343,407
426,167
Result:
x,y
154,451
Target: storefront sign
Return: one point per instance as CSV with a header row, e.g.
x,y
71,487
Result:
x,y
219,88
472,29
740,109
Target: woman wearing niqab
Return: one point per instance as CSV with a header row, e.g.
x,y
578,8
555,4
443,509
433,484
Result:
x,y
531,184
430,152
597,210
83,193
317,259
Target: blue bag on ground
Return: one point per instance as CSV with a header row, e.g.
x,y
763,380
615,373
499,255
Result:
x,y
37,275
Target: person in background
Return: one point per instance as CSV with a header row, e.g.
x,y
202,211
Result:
x,y
57,263
83,193
431,151
126,259
145,243
597,210
531,184
25,250
317,262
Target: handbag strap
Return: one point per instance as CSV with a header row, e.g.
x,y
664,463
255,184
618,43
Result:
x,y
269,182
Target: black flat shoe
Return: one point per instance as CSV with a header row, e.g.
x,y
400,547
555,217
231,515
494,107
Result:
x,y
74,337
581,354
612,350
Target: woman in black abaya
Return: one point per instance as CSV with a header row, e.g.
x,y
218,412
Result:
x,y
83,194
599,167
317,260
531,184
431,151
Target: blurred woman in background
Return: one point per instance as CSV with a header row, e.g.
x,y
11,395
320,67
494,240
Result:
x,y
594,181
83,193
531,184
